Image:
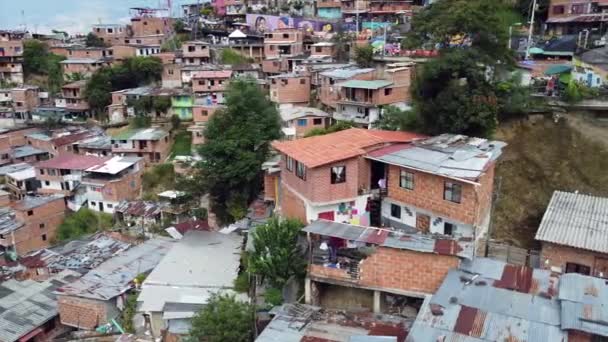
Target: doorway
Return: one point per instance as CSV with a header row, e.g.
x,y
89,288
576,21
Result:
x,y
101,207
378,172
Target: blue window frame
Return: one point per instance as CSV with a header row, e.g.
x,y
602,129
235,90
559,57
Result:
x,y
302,122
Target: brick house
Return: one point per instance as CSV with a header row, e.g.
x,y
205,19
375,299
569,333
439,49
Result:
x,y
25,100
297,121
104,186
99,145
172,76
75,100
83,66
361,101
290,89
31,223
572,234
323,49
329,9
124,51
196,52
275,65
146,25
367,265
571,17
153,144
439,185
89,52
329,177
201,113
111,33
287,42
11,56
211,84
21,181
58,143
329,89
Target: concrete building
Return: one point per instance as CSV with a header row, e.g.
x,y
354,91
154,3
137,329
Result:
x,y
111,34
286,42
83,66
370,268
571,17
95,298
573,234
11,56
211,84
63,174
196,52
31,223
328,88
21,181
329,9
177,288
290,89
297,121
153,144
75,101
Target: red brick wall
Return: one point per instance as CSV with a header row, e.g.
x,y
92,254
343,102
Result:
x,y
86,53
428,194
81,312
151,26
198,113
302,130
17,138
127,188
202,84
270,181
291,92
578,336
29,237
274,66
558,256
328,97
396,269
291,205
121,52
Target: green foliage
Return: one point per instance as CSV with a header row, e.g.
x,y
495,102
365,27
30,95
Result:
x,y
37,60
576,92
84,221
207,11
126,317
233,57
183,144
222,319
276,256
237,142
133,72
336,127
199,213
273,296
158,178
395,119
161,104
175,122
179,26
93,41
140,121
342,41
364,56
513,98
241,283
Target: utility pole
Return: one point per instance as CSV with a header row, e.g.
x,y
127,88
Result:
x,y
357,17
530,30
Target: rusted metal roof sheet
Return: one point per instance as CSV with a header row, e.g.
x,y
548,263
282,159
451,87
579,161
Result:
x,y
394,239
139,208
584,301
576,220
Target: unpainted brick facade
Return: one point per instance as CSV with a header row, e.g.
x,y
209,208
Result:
x,y
557,256
329,91
393,270
294,90
82,312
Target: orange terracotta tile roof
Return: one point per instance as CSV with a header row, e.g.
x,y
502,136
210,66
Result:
x,y
320,150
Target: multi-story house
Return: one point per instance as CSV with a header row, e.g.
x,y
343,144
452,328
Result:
x,y
329,9
235,7
361,101
389,11
121,51
286,42
211,84
172,75
11,56
152,144
329,89
25,100
100,145
182,104
574,16
377,269
111,33
28,154
329,177
21,181
83,66
201,113
89,52
290,89
572,232
31,223
58,143
352,9
438,185
75,101
63,174
297,121
104,186
196,52
148,25
323,50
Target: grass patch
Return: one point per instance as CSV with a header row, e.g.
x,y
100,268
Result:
x,y
84,221
182,146
541,158
158,179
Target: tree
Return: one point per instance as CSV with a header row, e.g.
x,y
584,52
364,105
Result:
x,y
83,222
395,119
161,104
364,56
175,121
222,319
336,127
37,60
179,26
237,142
233,57
93,41
277,256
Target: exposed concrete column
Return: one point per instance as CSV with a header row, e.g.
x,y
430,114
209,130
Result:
x,y
307,291
377,301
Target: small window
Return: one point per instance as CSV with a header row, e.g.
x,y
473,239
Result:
x,y
406,180
338,174
388,91
289,163
317,121
302,122
52,172
448,228
452,192
302,81
41,171
577,268
201,82
396,211
47,183
578,8
318,49
204,113
41,225
109,205
285,35
558,9
300,170
30,213
93,203
145,23
43,237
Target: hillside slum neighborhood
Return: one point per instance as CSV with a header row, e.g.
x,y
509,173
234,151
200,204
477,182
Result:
x,y
397,226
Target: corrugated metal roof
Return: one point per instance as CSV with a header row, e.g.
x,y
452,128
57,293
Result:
x,y
26,305
584,302
471,307
576,220
437,244
141,134
140,208
360,84
26,151
449,155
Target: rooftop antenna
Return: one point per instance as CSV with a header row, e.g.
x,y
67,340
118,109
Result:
x,y
23,24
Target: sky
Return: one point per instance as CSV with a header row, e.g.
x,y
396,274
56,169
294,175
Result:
x,y
73,16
